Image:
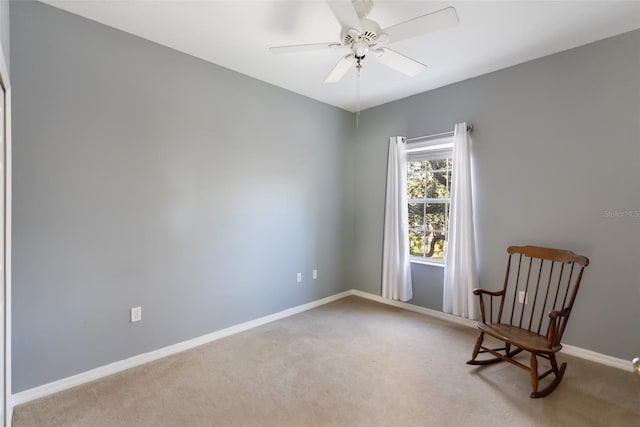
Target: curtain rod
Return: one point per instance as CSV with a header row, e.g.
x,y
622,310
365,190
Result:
x,y
420,138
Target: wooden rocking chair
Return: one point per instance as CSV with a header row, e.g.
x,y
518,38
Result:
x,y
542,280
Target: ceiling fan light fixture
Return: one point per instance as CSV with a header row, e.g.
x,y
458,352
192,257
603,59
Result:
x,y
360,48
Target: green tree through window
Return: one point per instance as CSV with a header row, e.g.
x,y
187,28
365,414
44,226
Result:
x,y
428,186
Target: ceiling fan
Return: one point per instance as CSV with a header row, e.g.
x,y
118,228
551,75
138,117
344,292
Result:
x,y
362,36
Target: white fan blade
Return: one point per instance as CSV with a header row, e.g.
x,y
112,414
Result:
x,y
434,21
276,50
345,14
340,69
399,62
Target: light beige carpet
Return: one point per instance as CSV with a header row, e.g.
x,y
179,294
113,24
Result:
x,y
349,363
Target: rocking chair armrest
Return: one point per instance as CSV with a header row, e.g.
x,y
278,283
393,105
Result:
x,y
555,326
481,293
562,313
478,291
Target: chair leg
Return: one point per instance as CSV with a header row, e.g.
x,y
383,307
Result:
x,y
558,372
495,359
476,349
554,363
534,373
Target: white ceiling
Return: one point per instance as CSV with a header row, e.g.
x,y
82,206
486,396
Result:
x,y
237,34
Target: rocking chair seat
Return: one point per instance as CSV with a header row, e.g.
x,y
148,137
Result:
x,y
519,337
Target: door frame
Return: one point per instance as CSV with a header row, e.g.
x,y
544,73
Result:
x,y
7,404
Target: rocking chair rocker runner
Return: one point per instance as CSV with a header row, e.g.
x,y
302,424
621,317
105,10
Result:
x,y
538,280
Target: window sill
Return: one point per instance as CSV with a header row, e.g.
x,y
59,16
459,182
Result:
x,y
426,262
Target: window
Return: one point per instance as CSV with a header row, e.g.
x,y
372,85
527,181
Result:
x,y
429,166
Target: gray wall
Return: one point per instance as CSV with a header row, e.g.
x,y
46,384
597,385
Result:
x,y
427,289
556,144
144,176
4,31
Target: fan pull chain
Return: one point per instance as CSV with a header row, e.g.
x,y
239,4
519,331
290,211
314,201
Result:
x,y
358,95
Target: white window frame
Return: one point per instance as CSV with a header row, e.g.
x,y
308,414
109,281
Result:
x,y
430,148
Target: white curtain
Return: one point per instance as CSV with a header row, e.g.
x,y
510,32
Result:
x,y
396,270
460,276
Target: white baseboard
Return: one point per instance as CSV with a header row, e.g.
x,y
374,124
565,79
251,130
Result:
x,y
571,350
113,368
121,365
415,308
592,356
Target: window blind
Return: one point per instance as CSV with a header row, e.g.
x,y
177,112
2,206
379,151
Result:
x,y
430,149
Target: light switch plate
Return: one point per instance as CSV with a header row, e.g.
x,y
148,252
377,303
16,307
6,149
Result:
x,y
136,314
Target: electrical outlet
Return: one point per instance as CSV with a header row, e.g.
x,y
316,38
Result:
x,y
136,314
523,298
299,277
315,274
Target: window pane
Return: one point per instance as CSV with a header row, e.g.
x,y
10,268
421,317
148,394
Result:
x,y
416,180
436,217
438,184
438,165
416,228
435,229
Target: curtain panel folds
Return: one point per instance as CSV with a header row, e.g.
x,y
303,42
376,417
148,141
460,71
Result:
x,y
396,269
460,275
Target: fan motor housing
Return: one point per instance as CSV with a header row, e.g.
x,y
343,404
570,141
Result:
x,y
369,33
